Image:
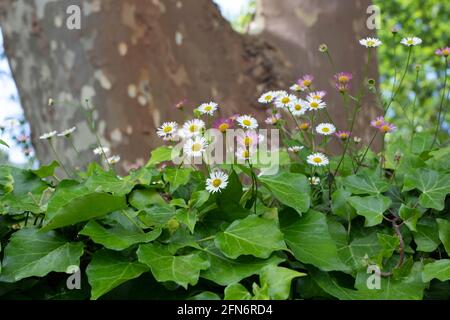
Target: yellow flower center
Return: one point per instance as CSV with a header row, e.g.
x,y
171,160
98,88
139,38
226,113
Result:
x,y
246,154
247,141
196,147
410,41
298,107
314,105
306,83
246,122
385,128
193,128
344,136
167,129
208,108
446,52
325,129
304,126
343,79
285,100
317,160
370,43
223,127
378,123
268,98
216,182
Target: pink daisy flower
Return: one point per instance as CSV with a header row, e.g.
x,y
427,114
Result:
x,y
387,128
343,135
223,124
305,82
378,122
273,119
443,51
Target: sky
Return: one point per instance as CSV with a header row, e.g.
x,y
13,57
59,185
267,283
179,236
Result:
x,y
9,99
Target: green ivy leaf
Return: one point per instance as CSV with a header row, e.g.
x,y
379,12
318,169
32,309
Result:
x,y
439,269
427,235
46,171
433,185
309,239
199,198
225,271
182,270
117,237
109,269
278,279
365,183
253,235
444,233
371,207
159,155
142,198
76,203
188,217
177,177
339,205
103,181
410,216
157,215
237,291
291,189
388,244
33,253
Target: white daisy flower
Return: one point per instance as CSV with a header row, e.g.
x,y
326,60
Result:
x,y
48,135
267,97
193,127
101,151
247,122
244,153
113,159
314,180
216,182
167,129
299,107
295,149
318,95
357,139
326,129
295,87
370,42
285,100
67,132
208,108
317,159
278,93
194,147
315,104
411,41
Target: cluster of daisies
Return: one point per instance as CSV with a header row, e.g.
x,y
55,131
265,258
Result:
x,y
374,42
382,125
103,151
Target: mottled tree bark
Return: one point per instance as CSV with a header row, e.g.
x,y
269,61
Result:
x,y
134,59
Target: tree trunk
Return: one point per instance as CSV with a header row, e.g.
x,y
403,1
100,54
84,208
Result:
x,y
134,59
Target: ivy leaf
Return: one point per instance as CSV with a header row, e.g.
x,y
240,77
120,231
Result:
x,y
427,235
225,271
159,155
253,235
76,203
309,239
410,216
433,185
444,233
188,217
365,183
33,253
339,205
117,237
199,198
237,291
103,181
228,202
182,270
142,198
46,171
439,269
278,279
177,177
157,215
388,244
291,189
371,207
109,269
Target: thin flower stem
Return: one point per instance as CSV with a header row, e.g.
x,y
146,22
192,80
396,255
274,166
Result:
x,y
413,124
73,146
438,125
365,152
57,158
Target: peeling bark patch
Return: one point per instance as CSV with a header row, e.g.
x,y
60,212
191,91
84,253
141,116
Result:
x,y
87,93
116,135
103,79
160,5
179,4
123,49
132,91
308,18
142,101
179,38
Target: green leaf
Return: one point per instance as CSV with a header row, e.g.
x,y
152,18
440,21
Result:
x,y
228,200
177,177
339,205
278,279
410,216
291,189
253,235
371,207
46,171
439,269
33,253
237,291
388,243
182,270
309,239
434,187
225,271
206,295
69,208
159,155
421,142
117,237
199,198
157,215
188,217
142,198
102,181
444,233
365,183
4,143
427,235
109,269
